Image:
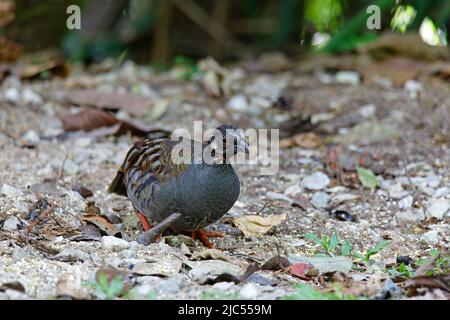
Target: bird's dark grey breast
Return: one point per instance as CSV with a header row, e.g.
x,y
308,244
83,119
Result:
x,y
202,194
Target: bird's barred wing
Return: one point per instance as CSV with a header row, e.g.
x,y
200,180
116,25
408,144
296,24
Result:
x,y
148,160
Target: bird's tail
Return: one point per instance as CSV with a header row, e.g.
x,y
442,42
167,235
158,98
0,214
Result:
x,y
117,186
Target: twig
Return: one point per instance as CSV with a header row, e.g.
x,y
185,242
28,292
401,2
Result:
x,y
150,236
39,219
61,170
32,242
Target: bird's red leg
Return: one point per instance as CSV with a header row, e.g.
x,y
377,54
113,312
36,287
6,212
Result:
x,y
204,236
143,220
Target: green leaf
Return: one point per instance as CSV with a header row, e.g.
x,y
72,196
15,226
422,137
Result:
x,y
433,252
313,237
367,178
346,248
334,241
103,281
380,246
358,255
115,287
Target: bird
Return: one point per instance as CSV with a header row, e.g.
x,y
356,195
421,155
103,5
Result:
x,y
201,189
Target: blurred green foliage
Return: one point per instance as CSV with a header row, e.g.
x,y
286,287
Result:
x,y
138,29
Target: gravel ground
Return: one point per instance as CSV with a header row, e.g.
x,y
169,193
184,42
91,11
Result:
x,y
404,131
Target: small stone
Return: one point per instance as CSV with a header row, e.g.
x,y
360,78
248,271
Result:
x,y
238,103
397,192
438,208
127,254
10,191
167,266
442,192
406,202
168,286
12,95
316,181
70,167
71,255
298,243
340,198
114,244
16,295
433,181
19,253
30,138
320,200
83,142
223,286
31,97
367,110
431,237
347,77
249,291
10,224
411,216
143,290
278,196
209,268
413,86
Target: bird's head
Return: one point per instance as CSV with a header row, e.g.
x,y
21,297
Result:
x,y
229,140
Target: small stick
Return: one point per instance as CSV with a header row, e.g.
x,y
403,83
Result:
x,y
150,236
42,215
61,170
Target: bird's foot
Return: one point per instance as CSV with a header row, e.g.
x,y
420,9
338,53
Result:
x,y
143,219
204,236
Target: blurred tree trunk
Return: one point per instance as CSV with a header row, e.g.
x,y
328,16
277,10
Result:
x,y
161,34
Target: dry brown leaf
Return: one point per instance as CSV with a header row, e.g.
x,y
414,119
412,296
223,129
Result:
x,y
135,104
102,223
430,282
299,270
209,254
276,263
67,287
407,44
301,201
214,78
253,225
397,69
9,52
103,123
308,140
32,65
88,120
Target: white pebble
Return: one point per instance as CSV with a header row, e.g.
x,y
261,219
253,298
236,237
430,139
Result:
x,y
114,244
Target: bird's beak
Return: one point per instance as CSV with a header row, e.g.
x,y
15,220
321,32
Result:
x,y
243,146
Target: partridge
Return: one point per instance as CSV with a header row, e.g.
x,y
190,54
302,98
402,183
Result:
x,y
201,189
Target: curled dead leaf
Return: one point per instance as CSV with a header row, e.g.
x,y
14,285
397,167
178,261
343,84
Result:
x,y
276,263
298,270
208,254
253,225
103,123
134,104
102,223
308,140
88,120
